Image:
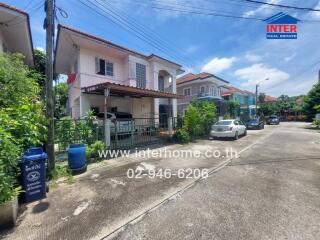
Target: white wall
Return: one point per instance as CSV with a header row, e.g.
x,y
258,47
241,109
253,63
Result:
x,y
87,68
124,73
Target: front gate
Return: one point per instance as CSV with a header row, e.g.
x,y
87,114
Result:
x,y
129,133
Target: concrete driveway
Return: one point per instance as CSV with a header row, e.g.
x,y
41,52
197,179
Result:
x,y
270,191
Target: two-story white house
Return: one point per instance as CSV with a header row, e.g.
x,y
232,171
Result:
x,y
104,76
15,34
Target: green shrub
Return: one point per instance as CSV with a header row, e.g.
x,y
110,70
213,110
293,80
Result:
x,y
227,116
22,121
197,122
9,155
182,136
316,124
92,151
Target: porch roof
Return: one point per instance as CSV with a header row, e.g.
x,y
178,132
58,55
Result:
x,y
125,90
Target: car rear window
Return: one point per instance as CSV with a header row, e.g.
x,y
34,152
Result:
x,y
223,123
253,121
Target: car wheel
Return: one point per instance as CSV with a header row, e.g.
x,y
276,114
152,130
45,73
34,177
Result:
x,y
236,136
245,133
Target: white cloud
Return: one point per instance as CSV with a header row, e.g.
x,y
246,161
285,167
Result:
x,y
192,49
40,49
292,88
259,72
253,57
217,65
263,9
290,57
316,15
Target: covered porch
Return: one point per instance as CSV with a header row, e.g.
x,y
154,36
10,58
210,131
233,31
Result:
x,y
144,125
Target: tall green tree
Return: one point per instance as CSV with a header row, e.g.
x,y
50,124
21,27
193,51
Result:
x,y
261,97
61,96
312,102
22,122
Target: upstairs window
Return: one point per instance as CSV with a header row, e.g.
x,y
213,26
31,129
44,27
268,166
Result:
x,y
161,83
109,69
141,75
202,89
187,91
103,67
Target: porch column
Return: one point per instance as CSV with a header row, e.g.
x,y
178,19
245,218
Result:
x,y
170,119
106,120
174,101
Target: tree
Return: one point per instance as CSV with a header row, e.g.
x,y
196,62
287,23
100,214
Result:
x,y
197,122
311,102
261,97
22,122
40,68
234,108
61,93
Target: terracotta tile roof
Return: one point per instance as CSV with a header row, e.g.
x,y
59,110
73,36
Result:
x,y
191,77
231,89
270,99
111,43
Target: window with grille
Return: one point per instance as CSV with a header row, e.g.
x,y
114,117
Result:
x,y
141,75
103,67
187,91
161,83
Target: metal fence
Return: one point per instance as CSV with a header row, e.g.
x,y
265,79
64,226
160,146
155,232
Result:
x,y
69,131
124,133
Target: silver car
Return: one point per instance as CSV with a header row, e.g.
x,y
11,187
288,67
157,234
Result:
x,y
230,128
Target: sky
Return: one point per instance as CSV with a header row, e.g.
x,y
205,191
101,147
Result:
x,y
235,49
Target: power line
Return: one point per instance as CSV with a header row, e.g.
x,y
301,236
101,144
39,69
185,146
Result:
x,y
283,6
142,33
201,11
111,17
190,9
167,43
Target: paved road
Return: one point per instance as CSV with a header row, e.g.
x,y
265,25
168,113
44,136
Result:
x,y
271,192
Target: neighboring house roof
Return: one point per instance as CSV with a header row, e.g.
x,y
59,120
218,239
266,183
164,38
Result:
x,y
230,90
270,99
104,41
192,77
15,26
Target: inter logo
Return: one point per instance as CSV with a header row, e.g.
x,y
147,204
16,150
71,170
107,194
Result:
x,y
282,26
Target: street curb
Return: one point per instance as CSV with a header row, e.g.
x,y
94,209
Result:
x,y
173,195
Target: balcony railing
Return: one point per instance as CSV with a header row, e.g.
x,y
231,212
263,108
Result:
x,y
208,94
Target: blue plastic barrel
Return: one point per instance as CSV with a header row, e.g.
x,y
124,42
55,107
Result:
x,y
77,157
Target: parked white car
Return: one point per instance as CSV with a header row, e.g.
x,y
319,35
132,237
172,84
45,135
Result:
x,y
230,128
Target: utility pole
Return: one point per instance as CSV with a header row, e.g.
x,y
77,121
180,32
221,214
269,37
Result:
x,y
257,99
49,26
319,77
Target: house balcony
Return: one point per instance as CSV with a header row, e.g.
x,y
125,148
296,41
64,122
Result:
x,y
208,96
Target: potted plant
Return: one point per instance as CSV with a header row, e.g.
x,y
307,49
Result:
x,y
9,189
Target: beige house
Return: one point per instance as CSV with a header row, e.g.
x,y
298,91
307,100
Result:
x,y
15,34
203,86
104,76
